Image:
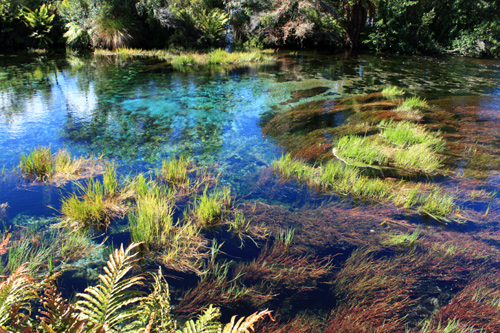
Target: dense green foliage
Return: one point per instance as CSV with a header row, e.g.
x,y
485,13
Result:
x,y
405,26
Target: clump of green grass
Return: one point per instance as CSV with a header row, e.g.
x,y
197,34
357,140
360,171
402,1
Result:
x,y
110,181
151,221
41,165
38,164
208,208
438,205
405,134
90,209
360,149
418,157
288,168
176,171
392,91
97,203
412,104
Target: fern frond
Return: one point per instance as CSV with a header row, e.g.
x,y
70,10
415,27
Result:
x,y
206,322
245,325
112,301
3,245
58,315
156,307
18,289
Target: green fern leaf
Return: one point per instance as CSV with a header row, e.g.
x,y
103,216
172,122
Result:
x,y
113,302
18,289
206,322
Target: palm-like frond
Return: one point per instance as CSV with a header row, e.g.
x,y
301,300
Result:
x,y
112,301
18,290
245,324
206,322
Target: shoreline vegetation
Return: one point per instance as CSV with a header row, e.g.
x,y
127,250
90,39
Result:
x,y
216,57
331,25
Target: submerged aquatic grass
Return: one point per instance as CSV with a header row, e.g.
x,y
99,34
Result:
x,y
348,180
412,104
418,157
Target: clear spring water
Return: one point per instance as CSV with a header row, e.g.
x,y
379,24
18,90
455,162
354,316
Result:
x,y
139,111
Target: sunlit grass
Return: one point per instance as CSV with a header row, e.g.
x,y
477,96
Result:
x,y
288,168
41,165
438,204
216,57
175,171
405,134
412,104
418,157
38,164
208,208
348,180
392,91
88,210
151,221
360,149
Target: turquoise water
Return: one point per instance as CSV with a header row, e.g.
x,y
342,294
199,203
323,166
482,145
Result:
x,y
137,112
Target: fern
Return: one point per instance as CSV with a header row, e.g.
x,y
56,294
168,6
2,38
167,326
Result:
x,y
17,290
156,307
244,325
206,322
112,302
58,315
18,321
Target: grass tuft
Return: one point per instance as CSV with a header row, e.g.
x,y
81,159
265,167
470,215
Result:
x,y
405,134
392,91
208,208
176,171
361,150
38,164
